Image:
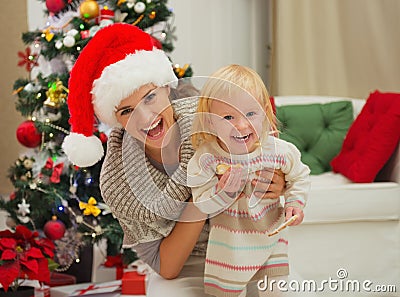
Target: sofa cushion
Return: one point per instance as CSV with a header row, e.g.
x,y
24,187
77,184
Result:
x,y
317,130
371,139
333,199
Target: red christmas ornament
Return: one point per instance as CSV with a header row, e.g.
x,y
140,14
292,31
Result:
x,y
54,229
103,137
12,196
55,6
28,135
106,14
85,34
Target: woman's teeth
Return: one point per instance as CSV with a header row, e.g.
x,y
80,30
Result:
x,y
152,126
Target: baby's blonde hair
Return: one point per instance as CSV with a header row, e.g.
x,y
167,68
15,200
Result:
x,y
225,81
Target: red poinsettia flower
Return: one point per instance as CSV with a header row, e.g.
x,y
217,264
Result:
x,y
28,59
24,255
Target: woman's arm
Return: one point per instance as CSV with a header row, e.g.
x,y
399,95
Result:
x,y
178,245
270,183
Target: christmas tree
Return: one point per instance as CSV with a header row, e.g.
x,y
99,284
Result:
x,y
51,195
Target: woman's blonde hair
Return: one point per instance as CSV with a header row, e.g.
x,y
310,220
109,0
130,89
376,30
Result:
x,y
224,82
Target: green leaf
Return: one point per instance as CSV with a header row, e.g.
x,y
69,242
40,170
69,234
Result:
x,y
52,265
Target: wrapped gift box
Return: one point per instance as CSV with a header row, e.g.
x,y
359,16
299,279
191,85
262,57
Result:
x,y
107,289
133,283
43,291
106,274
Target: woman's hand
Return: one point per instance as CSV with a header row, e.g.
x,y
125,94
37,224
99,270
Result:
x,y
270,183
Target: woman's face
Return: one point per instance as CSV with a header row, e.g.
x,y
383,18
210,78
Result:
x,y
147,115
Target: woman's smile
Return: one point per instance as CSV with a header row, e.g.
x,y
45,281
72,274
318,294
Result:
x,y
155,130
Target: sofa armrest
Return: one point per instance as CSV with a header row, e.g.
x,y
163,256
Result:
x,y
391,170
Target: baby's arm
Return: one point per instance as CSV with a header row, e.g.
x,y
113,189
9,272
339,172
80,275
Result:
x,y
210,194
297,176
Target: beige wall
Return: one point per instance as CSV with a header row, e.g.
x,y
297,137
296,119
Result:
x,y
336,47
12,23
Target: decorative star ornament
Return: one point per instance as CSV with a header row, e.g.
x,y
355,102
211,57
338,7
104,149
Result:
x,y
23,208
27,59
90,207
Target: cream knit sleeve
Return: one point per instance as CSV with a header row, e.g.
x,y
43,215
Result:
x,y
203,181
297,176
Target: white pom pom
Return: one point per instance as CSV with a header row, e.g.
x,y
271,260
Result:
x,y
81,150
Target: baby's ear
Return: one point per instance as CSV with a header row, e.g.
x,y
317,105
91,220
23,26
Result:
x,y
209,123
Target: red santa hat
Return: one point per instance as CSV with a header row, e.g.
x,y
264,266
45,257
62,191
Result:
x,y
119,59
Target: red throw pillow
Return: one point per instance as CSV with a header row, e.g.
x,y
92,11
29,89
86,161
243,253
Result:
x,y
371,139
272,99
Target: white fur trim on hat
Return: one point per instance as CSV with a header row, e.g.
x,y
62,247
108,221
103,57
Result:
x,y
81,150
121,79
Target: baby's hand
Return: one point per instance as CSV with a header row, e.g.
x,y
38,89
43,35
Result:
x,y
231,181
291,211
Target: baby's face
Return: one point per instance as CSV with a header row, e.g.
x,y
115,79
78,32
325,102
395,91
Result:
x,y
238,122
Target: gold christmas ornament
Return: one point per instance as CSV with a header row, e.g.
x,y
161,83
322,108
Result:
x,y
180,71
152,15
89,9
48,34
55,95
90,207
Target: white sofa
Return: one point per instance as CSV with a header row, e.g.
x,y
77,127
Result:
x,y
351,226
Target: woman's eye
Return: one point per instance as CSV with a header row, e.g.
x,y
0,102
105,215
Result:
x,y
149,98
250,114
228,117
126,111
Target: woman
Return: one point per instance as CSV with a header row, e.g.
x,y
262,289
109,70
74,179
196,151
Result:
x,y
122,79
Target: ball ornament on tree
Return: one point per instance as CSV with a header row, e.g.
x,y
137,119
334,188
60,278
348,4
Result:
x,y
89,9
69,41
139,7
54,229
55,6
28,135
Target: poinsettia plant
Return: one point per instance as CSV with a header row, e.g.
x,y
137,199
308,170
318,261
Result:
x,y
23,255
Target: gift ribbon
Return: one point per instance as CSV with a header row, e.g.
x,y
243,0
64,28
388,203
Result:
x,y
94,287
140,267
82,292
55,175
116,261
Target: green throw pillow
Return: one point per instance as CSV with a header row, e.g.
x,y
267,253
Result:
x,y
317,130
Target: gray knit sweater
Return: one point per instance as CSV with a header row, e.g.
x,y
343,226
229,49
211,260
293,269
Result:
x,y
143,199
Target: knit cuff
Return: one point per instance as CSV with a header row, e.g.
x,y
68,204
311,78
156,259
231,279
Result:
x,y
296,202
